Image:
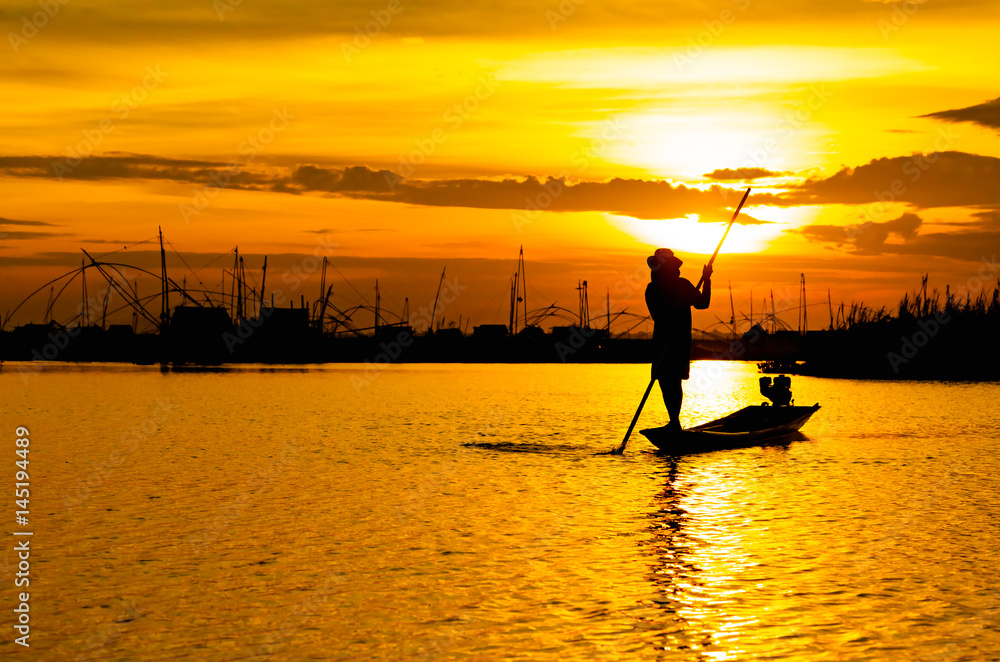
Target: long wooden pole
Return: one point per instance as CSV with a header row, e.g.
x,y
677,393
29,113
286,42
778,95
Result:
x,y
649,387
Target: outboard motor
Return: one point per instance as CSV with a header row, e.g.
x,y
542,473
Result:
x,y
780,392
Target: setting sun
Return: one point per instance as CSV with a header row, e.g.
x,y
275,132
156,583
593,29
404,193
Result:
x,y
689,235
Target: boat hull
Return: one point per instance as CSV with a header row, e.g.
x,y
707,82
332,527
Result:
x,y
751,426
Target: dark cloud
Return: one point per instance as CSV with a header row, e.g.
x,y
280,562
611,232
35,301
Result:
x,y
114,242
17,235
870,239
639,198
133,166
742,174
20,235
632,197
938,179
989,218
342,231
335,180
865,238
10,221
984,114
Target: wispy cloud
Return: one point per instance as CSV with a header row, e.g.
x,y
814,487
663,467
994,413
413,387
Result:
x,y
11,221
21,235
984,114
638,68
742,174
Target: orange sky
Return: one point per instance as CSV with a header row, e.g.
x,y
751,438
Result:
x,y
589,132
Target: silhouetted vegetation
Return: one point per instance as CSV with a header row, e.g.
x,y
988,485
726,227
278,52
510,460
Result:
x,y
933,335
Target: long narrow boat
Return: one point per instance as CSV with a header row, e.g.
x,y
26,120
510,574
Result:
x,y
750,426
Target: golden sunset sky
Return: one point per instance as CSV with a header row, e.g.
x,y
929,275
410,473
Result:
x,y
399,137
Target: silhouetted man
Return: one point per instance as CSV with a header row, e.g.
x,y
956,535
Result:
x,y
669,299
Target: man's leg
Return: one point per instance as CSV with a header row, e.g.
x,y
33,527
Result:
x,y
673,396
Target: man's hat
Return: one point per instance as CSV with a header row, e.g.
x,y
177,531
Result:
x,y
663,257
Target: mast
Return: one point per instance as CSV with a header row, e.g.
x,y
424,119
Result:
x,y
829,301
434,309
732,309
263,279
524,285
234,310
246,288
774,314
803,321
164,300
323,304
377,299
322,295
104,310
608,308
85,313
513,304
48,308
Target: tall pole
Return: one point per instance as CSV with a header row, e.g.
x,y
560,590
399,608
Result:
x,y
732,309
263,279
86,304
104,310
434,308
513,304
322,293
164,302
579,302
725,234
135,315
244,313
232,290
774,314
805,312
829,300
608,304
524,289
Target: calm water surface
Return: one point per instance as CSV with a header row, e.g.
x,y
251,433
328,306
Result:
x,y
461,512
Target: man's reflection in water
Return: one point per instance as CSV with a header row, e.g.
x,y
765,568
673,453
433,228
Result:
x,y
676,577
